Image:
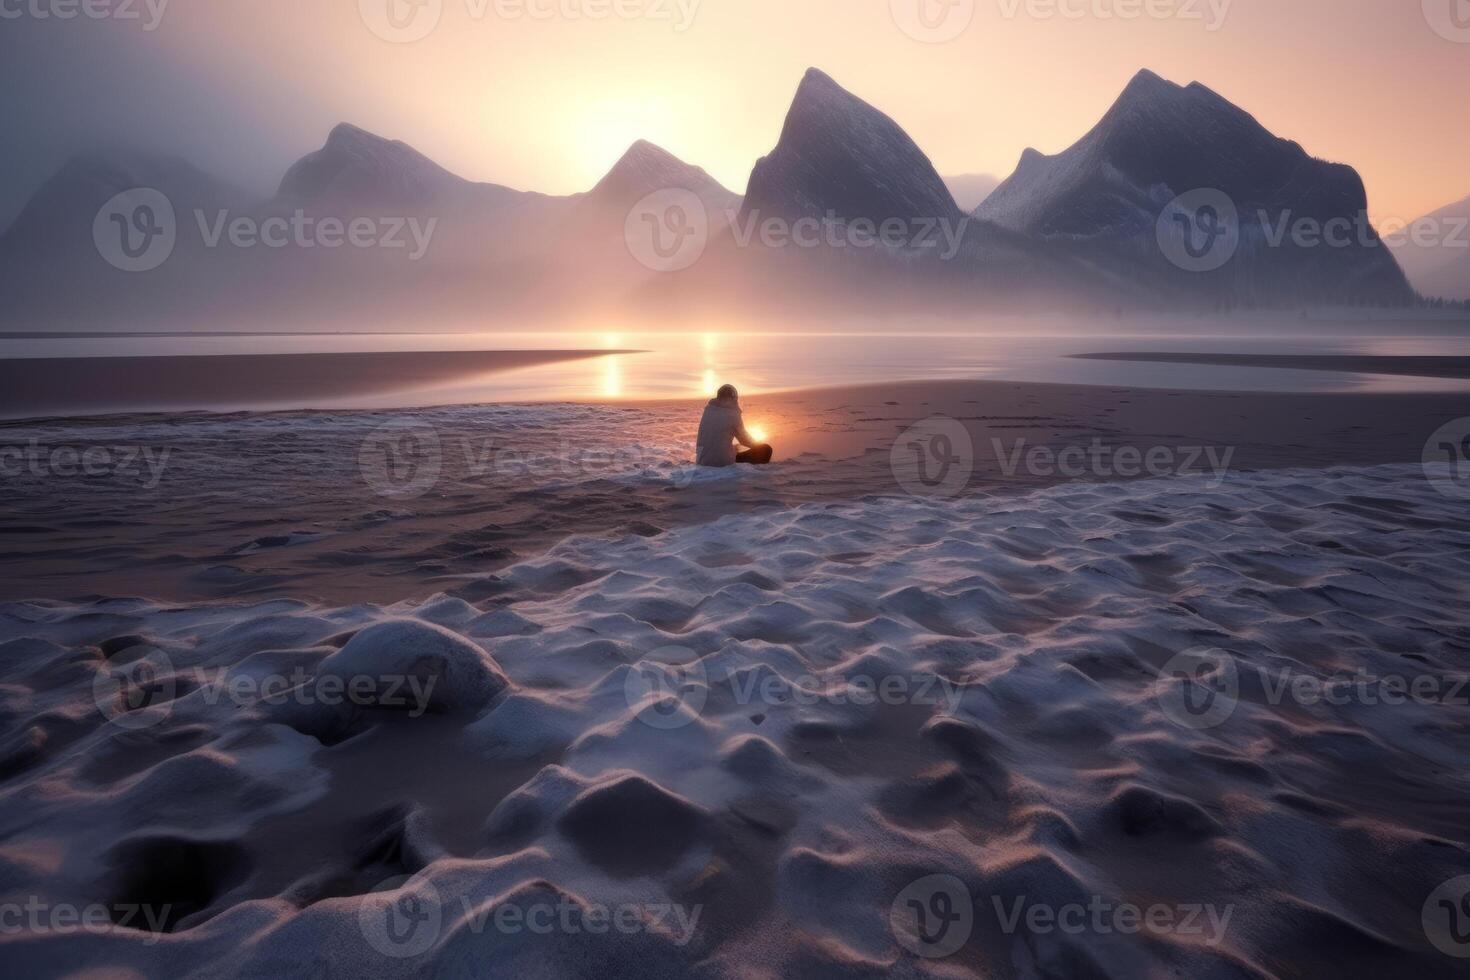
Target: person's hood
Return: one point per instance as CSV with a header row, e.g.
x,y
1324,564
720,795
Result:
x,y
719,403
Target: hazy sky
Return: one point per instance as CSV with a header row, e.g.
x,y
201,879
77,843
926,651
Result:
x,y
546,94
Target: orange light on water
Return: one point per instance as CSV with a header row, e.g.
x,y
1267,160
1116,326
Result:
x,y
612,379
757,433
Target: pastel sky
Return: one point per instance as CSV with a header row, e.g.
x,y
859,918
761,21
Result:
x,y
546,94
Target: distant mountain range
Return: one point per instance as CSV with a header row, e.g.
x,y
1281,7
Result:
x,y
356,169
1103,198
1112,222
58,218
1435,252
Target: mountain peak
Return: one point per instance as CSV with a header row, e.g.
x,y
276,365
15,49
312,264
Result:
x,y
1151,95
68,201
839,154
1161,140
362,167
344,135
645,168
1147,84
819,92
643,146
816,82
645,154
110,169
1147,95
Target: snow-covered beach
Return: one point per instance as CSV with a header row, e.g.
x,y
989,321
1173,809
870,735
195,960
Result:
x,y
1203,724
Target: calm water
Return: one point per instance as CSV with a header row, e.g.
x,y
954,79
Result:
x,y
676,365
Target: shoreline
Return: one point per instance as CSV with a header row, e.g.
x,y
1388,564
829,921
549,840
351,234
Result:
x,y
861,390
257,505
1409,366
77,382
238,381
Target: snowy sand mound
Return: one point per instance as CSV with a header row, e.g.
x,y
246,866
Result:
x,y
453,674
1159,728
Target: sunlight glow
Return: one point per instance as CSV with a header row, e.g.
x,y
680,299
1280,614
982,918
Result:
x,y
596,133
612,378
553,101
711,384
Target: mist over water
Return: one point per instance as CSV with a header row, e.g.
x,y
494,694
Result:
x,y
666,364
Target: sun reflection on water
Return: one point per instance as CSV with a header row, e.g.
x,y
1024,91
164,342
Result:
x,y
710,379
612,378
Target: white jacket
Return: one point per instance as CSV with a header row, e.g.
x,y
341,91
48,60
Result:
x,y
721,427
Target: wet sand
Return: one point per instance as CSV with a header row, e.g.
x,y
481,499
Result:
x,y
31,387
265,505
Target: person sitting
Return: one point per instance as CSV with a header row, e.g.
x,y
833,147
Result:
x,y
721,428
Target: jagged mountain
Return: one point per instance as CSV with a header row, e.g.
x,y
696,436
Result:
x,y
847,209
1435,252
839,154
358,169
1078,229
1102,200
55,271
601,216
58,218
842,158
55,259
1161,137
646,169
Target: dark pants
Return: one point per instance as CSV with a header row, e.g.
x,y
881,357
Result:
x,y
759,456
